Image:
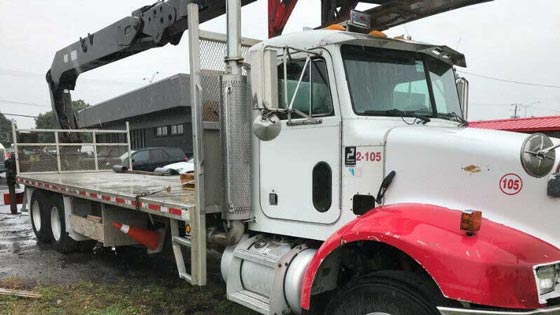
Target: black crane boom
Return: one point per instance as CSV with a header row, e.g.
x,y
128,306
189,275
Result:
x,y
151,26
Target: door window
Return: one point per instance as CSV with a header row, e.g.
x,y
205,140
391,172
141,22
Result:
x,y
158,155
175,154
313,97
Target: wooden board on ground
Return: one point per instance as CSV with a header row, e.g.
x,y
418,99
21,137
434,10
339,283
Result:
x,y
20,293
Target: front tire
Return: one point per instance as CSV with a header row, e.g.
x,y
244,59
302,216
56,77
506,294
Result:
x,y
62,241
384,293
40,216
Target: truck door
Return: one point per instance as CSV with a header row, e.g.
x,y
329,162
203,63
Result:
x,y
300,169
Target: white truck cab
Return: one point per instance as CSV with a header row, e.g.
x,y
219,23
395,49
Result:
x,y
354,90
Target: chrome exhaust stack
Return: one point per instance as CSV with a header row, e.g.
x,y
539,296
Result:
x,y
235,124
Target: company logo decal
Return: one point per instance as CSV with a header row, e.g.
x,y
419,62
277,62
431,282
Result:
x,y
350,156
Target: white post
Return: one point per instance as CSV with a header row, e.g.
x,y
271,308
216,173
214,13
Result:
x,y
94,134
198,218
57,151
128,142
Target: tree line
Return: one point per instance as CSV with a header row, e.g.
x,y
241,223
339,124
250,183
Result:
x,y
43,121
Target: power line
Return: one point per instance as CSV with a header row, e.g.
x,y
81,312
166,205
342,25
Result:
x,y
510,81
19,115
23,103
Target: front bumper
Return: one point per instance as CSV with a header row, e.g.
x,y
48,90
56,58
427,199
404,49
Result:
x,y
461,311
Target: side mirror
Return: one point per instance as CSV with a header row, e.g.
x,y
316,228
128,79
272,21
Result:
x,y
264,91
463,89
264,78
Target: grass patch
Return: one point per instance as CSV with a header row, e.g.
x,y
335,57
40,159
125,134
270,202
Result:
x,y
12,282
124,298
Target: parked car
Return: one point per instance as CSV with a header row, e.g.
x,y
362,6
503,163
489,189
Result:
x,y
177,168
148,159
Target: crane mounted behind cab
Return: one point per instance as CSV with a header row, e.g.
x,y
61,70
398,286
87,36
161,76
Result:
x,y
339,177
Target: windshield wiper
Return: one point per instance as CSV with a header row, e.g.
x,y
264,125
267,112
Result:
x,y
399,113
454,117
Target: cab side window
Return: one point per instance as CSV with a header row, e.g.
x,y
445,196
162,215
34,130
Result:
x,y
313,97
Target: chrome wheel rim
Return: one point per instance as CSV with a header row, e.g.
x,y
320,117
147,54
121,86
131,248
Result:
x,y
36,215
55,224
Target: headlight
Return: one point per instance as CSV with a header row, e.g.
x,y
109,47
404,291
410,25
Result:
x,y
547,277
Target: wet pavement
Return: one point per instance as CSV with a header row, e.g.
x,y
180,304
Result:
x,y
16,235
23,257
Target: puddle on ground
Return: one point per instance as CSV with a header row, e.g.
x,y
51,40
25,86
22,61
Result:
x,y
16,234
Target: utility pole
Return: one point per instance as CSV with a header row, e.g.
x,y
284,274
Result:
x,y
515,106
524,106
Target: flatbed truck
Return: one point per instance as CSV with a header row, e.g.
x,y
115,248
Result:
x,y
340,177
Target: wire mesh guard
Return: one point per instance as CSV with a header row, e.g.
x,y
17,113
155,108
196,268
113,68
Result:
x,y
212,56
46,151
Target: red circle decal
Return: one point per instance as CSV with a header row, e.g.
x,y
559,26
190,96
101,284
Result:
x,y
511,184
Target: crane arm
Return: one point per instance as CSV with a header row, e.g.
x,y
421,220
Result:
x,y
149,27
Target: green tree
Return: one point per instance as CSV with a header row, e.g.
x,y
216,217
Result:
x,y
48,120
5,131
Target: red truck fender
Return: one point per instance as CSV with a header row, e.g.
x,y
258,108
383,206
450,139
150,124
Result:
x,y
494,267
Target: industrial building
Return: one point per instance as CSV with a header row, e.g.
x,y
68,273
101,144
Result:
x,y
159,114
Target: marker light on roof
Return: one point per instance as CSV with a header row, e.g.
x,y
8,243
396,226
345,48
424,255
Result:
x,y
336,27
377,33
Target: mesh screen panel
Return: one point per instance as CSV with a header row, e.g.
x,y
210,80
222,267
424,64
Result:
x,y
37,158
212,64
107,156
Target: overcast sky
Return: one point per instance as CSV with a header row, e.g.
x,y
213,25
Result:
x,y
506,39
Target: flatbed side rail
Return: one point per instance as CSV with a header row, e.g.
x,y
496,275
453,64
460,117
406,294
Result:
x,y
44,150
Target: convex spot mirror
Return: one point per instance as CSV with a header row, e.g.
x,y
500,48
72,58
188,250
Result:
x,y
267,128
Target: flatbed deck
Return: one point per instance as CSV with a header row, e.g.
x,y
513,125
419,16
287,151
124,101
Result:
x,y
140,192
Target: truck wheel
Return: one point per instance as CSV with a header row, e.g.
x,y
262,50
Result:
x,y
63,243
40,219
384,293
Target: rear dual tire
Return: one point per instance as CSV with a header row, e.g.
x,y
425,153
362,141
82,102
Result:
x,y
62,241
40,220
48,221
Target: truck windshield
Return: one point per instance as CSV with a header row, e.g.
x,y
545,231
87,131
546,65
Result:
x,y
395,83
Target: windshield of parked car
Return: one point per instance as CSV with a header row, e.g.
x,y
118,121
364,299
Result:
x,y
397,83
124,157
